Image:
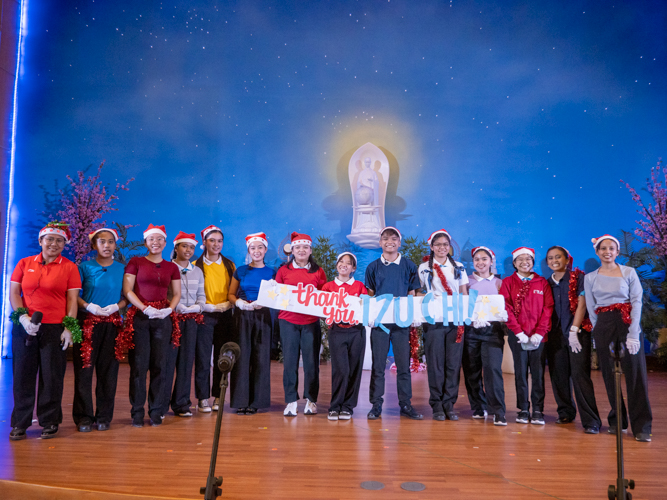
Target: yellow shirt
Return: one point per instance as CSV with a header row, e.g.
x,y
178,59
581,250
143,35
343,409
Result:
x,y
216,281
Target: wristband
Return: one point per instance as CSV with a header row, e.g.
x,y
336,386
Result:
x,y
15,315
73,326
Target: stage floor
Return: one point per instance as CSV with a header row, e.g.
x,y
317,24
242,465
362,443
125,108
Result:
x,y
270,456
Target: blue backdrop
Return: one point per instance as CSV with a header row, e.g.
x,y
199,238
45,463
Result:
x,y
507,123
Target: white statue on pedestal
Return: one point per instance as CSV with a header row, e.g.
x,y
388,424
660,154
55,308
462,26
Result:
x,y
369,173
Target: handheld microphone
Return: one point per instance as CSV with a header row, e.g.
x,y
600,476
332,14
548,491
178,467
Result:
x,y
229,353
36,319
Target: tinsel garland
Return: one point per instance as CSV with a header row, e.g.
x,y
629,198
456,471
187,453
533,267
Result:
x,y
521,296
573,296
448,289
625,309
88,325
124,339
176,317
15,315
415,364
73,326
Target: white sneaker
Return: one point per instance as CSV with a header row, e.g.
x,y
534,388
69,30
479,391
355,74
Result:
x,y
311,408
290,409
216,404
204,406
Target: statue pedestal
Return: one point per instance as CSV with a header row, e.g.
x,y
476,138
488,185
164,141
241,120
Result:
x,y
369,240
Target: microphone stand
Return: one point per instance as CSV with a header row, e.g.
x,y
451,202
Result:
x,y
619,492
212,489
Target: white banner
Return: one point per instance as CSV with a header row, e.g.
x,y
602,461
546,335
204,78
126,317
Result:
x,y
341,307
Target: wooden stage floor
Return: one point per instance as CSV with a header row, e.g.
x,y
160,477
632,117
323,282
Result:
x,y
269,456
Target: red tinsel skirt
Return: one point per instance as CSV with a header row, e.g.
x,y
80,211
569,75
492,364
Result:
x,y
625,309
88,325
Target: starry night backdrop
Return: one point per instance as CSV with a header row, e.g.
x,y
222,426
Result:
x,y
507,123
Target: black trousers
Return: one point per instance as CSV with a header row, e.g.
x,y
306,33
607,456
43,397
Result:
x,y
307,339
347,346
103,362
523,362
44,362
443,365
567,370
151,341
250,384
180,359
483,360
610,328
400,342
217,329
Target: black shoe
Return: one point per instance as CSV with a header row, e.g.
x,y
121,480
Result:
x,y
479,414
103,426
85,426
375,412
409,411
344,415
537,418
564,420
241,411
499,420
250,411
523,417
49,431
156,421
138,421
439,415
643,437
451,415
17,434
592,429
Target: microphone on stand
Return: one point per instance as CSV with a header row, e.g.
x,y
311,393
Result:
x,y
36,319
229,353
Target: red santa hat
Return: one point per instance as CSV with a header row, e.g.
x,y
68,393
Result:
x,y
597,241
523,251
59,228
151,229
392,229
205,232
182,237
354,257
256,238
92,234
300,239
436,233
486,249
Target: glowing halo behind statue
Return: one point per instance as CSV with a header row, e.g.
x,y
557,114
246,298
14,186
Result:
x,y
369,173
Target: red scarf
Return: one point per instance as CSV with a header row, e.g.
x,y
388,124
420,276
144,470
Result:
x,y
574,297
88,324
625,309
448,289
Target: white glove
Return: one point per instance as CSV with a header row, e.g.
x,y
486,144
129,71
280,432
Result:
x,y
480,323
244,305
416,323
208,308
632,345
163,313
223,306
151,312
196,308
110,309
573,339
522,338
95,309
66,339
535,339
371,323
181,309
29,327
255,305
272,282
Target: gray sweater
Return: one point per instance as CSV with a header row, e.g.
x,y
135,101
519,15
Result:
x,y
192,286
601,291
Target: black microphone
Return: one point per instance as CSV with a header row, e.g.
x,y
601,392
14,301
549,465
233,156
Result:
x,y
229,353
36,319
43,262
104,269
157,265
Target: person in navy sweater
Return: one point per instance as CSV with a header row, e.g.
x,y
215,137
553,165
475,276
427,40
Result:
x,y
347,343
301,332
529,304
394,275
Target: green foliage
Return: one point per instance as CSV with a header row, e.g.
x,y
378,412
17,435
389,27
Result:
x,y
126,249
414,249
325,255
326,352
650,268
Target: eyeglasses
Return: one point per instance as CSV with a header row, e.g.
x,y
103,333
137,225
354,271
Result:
x,y
441,245
156,239
51,240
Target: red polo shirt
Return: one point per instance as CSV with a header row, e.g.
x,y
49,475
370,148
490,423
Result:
x,y
352,287
289,275
44,287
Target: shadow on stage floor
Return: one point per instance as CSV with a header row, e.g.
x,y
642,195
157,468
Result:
x,y
270,456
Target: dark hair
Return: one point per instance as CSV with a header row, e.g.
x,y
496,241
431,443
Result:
x,y
229,265
314,266
96,236
432,255
485,251
597,245
354,261
558,247
390,231
515,268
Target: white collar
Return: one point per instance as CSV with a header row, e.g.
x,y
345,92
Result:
x,y
386,262
479,278
187,268
529,278
297,266
341,283
209,262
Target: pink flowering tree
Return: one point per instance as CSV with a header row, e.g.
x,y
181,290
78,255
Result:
x,y
83,206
